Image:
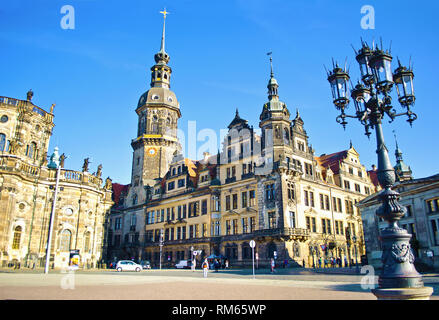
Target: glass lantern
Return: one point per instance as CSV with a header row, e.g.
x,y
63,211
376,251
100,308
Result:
x,y
380,62
403,79
361,96
363,57
338,80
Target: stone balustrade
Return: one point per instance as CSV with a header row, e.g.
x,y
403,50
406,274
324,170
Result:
x,y
15,164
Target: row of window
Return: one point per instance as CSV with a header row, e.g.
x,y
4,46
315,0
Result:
x,y
433,205
347,186
180,212
248,225
31,149
64,244
248,199
326,226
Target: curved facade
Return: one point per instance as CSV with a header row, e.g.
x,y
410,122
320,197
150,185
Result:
x,y
27,189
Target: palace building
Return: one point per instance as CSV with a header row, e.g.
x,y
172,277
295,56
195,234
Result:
x,y
268,187
27,185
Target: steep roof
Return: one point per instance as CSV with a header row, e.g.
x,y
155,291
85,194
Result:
x,y
332,160
118,190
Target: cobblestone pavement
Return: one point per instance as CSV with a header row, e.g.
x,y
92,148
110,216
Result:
x,y
290,284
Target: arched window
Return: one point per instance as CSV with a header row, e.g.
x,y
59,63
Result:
x,y
31,150
286,136
17,238
87,241
2,142
134,199
64,240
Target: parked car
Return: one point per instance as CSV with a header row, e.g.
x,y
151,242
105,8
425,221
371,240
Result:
x,y
184,264
145,264
128,265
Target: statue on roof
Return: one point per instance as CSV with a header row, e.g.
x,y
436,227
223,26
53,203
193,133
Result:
x,y
62,158
29,95
99,172
85,165
108,184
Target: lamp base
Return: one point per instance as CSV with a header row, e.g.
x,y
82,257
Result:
x,y
422,293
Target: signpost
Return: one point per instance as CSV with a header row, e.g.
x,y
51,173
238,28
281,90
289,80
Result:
x,y
252,245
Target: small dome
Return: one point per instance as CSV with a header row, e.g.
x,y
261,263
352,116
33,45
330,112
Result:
x,y
158,95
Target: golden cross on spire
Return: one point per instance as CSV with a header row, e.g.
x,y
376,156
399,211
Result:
x,y
164,12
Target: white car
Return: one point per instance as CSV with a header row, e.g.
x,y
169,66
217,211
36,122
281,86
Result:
x,y
183,264
128,265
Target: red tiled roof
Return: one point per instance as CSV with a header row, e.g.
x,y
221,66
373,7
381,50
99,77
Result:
x,y
118,189
332,160
373,177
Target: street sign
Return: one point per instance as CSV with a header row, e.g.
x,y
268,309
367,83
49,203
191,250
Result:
x,y
195,253
252,243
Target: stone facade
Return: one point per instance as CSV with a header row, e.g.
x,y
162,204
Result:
x,y
269,188
420,197
27,189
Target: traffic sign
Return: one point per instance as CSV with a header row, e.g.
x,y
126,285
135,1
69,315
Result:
x,y
252,243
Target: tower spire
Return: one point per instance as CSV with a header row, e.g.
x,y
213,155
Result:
x,y
272,83
162,47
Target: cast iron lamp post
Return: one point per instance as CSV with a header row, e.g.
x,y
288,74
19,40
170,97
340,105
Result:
x,y
354,239
399,278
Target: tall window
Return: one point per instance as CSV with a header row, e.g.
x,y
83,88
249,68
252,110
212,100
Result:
x,y
292,219
244,199
271,220
204,207
252,198
31,149
291,193
244,225
2,142
87,241
269,191
64,241
17,238
235,201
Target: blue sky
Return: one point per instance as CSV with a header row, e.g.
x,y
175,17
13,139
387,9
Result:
x,y
96,73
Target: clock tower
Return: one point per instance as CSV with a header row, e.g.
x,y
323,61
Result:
x,y
158,110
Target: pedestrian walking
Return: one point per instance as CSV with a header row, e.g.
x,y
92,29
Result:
x,y
285,263
227,264
320,262
273,264
205,268
216,265
345,262
332,262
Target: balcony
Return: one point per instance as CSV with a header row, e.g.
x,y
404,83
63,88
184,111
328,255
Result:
x,y
247,175
230,180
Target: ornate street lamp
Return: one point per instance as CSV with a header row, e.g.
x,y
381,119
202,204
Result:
x,y
354,239
399,278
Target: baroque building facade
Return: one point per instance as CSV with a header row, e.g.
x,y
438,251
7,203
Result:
x,y
27,189
420,198
268,187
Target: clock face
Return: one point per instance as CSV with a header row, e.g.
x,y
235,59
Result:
x,y
151,152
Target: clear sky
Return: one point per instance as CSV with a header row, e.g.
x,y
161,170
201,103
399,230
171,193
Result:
x,y
96,73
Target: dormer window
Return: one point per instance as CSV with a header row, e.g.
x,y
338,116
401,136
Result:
x,y
155,97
